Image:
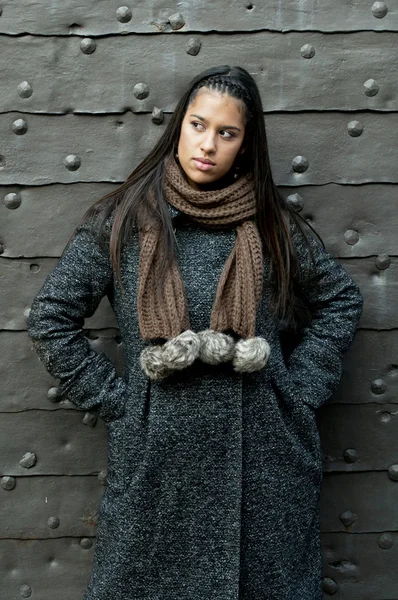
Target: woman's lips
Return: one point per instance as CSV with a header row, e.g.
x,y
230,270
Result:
x,y
203,166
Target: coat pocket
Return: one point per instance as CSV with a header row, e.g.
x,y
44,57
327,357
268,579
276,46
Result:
x,y
126,439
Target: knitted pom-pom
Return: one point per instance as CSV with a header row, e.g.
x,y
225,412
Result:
x,y
152,364
215,347
251,354
181,351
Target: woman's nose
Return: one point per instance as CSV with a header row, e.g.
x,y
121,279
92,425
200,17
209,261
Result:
x,y
208,143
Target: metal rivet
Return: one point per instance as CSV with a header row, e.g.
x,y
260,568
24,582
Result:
x,y
87,45
176,21
295,201
383,261
54,394
53,522
25,591
8,483
72,162
124,14
378,386
370,87
12,200
329,586
351,237
86,543
386,541
141,91
307,51
350,455
24,89
393,472
355,128
28,460
379,9
102,476
385,416
20,126
89,419
193,46
348,518
300,164
157,115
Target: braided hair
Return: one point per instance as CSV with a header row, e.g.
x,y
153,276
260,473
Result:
x,y
225,84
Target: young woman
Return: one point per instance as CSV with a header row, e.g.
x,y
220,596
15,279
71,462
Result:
x,y
214,458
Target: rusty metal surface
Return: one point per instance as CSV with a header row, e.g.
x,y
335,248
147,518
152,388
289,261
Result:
x,y
98,18
285,66
110,146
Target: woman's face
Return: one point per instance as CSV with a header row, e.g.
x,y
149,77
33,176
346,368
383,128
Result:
x,y
213,128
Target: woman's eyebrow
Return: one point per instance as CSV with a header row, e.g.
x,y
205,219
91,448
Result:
x,y
223,126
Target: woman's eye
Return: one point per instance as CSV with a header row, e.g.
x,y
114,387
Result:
x,y
196,123
229,134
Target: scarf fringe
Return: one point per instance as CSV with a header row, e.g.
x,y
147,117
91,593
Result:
x,y
209,346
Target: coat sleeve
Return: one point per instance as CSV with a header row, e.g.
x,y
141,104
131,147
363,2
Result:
x,y
335,302
71,293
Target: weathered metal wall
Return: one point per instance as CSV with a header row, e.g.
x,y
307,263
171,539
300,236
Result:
x,y
79,82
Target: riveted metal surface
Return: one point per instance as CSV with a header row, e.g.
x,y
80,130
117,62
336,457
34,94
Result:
x,y
62,444
359,566
36,388
133,72
110,147
28,506
93,18
45,566
371,496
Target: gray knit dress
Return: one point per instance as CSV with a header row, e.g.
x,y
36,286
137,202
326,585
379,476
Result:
x,y
214,476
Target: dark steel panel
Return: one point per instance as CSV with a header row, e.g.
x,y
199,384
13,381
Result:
x,y
36,229
46,216
60,441
56,569
97,18
109,147
371,497
320,71
379,288
26,509
21,280
370,369
364,567
370,430
36,388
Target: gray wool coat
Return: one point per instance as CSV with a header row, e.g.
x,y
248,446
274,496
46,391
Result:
x,y
213,476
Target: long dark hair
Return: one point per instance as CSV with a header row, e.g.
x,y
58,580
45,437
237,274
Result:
x,y
130,206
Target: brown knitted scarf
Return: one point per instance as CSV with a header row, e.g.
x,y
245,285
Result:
x,y
163,313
